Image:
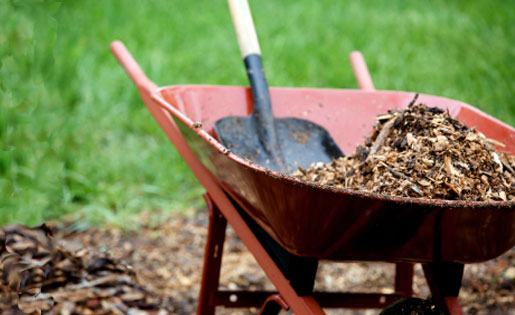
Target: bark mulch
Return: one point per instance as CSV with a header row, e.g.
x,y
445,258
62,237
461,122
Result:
x,y
422,152
157,271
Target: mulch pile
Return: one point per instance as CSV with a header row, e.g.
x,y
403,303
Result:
x,y
166,259
422,152
39,273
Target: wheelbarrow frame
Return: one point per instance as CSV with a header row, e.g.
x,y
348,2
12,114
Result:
x,y
444,279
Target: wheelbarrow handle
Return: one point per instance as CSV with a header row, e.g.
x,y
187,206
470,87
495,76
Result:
x,y
361,71
144,85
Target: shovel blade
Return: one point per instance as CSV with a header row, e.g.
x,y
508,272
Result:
x,y
301,142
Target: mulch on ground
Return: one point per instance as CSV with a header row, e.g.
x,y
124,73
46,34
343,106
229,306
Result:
x,y
157,271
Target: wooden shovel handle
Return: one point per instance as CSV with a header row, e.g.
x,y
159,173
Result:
x,y
244,26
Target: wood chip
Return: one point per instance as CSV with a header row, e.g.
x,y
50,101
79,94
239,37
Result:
x,y
495,142
422,152
381,138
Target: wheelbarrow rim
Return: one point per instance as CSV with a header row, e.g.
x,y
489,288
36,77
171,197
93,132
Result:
x,y
441,203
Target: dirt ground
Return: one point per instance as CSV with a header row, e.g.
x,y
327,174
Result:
x,y
167,259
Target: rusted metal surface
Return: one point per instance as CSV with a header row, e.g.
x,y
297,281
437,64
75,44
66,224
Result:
x,y
211,296
212,259
444,280
404,273
273,305
354,300
356,226
348,225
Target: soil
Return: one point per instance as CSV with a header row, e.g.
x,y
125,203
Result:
x,y
422,152
157,270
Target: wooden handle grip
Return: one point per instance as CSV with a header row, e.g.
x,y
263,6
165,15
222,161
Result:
x,y
244,26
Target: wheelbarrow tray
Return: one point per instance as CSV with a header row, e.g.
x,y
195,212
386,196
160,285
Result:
x,y
340,224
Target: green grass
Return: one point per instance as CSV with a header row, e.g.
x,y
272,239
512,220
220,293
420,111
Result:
x,y
76,139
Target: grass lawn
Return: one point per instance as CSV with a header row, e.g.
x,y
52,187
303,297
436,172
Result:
x,y
76,139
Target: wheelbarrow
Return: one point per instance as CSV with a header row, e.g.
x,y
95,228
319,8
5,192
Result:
x,y
288,225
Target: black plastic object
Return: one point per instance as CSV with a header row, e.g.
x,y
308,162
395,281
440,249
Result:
x,y
280,144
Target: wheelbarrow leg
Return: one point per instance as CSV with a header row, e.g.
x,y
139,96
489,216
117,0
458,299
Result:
x,y
444,280
212,258
404,279
403,271
273,305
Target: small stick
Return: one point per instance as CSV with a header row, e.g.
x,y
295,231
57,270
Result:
x,y
413,101
394,172
302,170
507,165
497,143
381,138
398,174
385,132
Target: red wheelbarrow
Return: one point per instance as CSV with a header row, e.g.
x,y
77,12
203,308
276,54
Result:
x,y
288,225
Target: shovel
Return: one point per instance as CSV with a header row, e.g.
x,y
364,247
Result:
x,y
280,144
